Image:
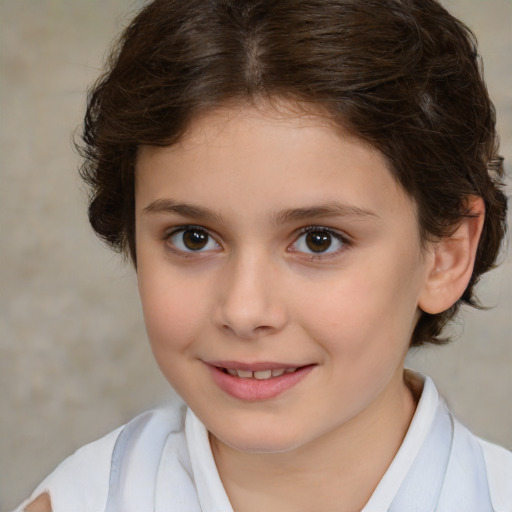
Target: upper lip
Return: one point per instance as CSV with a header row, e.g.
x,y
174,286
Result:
x,y
253,367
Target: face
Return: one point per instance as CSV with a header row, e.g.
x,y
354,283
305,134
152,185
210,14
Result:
x,y
280,269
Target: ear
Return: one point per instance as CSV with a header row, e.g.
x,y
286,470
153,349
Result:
x,y
452,262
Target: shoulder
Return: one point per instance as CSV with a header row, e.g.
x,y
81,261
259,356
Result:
x,y
81,482
498,464
493,462
475,467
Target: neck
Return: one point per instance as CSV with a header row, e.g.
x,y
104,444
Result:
x,y
343,467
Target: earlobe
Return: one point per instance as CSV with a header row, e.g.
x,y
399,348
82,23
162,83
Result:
x,y
452,262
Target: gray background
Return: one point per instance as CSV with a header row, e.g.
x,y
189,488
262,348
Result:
x,y
74,361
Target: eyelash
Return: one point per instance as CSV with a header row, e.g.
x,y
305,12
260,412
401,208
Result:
x,y
342,239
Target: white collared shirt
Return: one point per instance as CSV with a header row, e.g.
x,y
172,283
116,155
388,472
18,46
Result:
x,y
162,461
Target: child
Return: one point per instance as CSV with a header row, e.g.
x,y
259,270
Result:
x,y
306,189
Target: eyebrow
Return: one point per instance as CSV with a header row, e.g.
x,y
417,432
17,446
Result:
x,y
185,210
328,210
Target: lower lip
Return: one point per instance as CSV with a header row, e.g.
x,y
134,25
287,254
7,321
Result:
x,y
254,389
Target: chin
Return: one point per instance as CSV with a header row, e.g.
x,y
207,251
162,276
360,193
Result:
x,y
266,441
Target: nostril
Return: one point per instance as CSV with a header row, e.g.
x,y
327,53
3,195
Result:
x,y
249,331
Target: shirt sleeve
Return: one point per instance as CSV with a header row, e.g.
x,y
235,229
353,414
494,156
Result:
x,y
498,463
80,483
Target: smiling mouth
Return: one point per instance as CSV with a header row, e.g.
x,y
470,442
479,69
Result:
x,y
256,381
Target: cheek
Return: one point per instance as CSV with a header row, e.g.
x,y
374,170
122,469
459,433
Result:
x,y
173,311
364,311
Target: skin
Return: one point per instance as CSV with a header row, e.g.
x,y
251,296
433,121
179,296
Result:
x,y
257,293
41,504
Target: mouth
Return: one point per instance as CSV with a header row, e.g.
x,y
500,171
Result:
x,y
258,381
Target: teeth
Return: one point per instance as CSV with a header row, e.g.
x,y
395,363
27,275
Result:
x,y
263,375
245,374
259,375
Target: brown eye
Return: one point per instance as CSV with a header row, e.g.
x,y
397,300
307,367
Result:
x,y
193,239
318,241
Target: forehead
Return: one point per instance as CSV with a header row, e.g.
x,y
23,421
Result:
x,y
240,159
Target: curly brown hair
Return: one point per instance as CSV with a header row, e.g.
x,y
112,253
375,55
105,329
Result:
x,y
402,75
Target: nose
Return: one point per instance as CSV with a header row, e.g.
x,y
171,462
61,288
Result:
x,y
250,303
